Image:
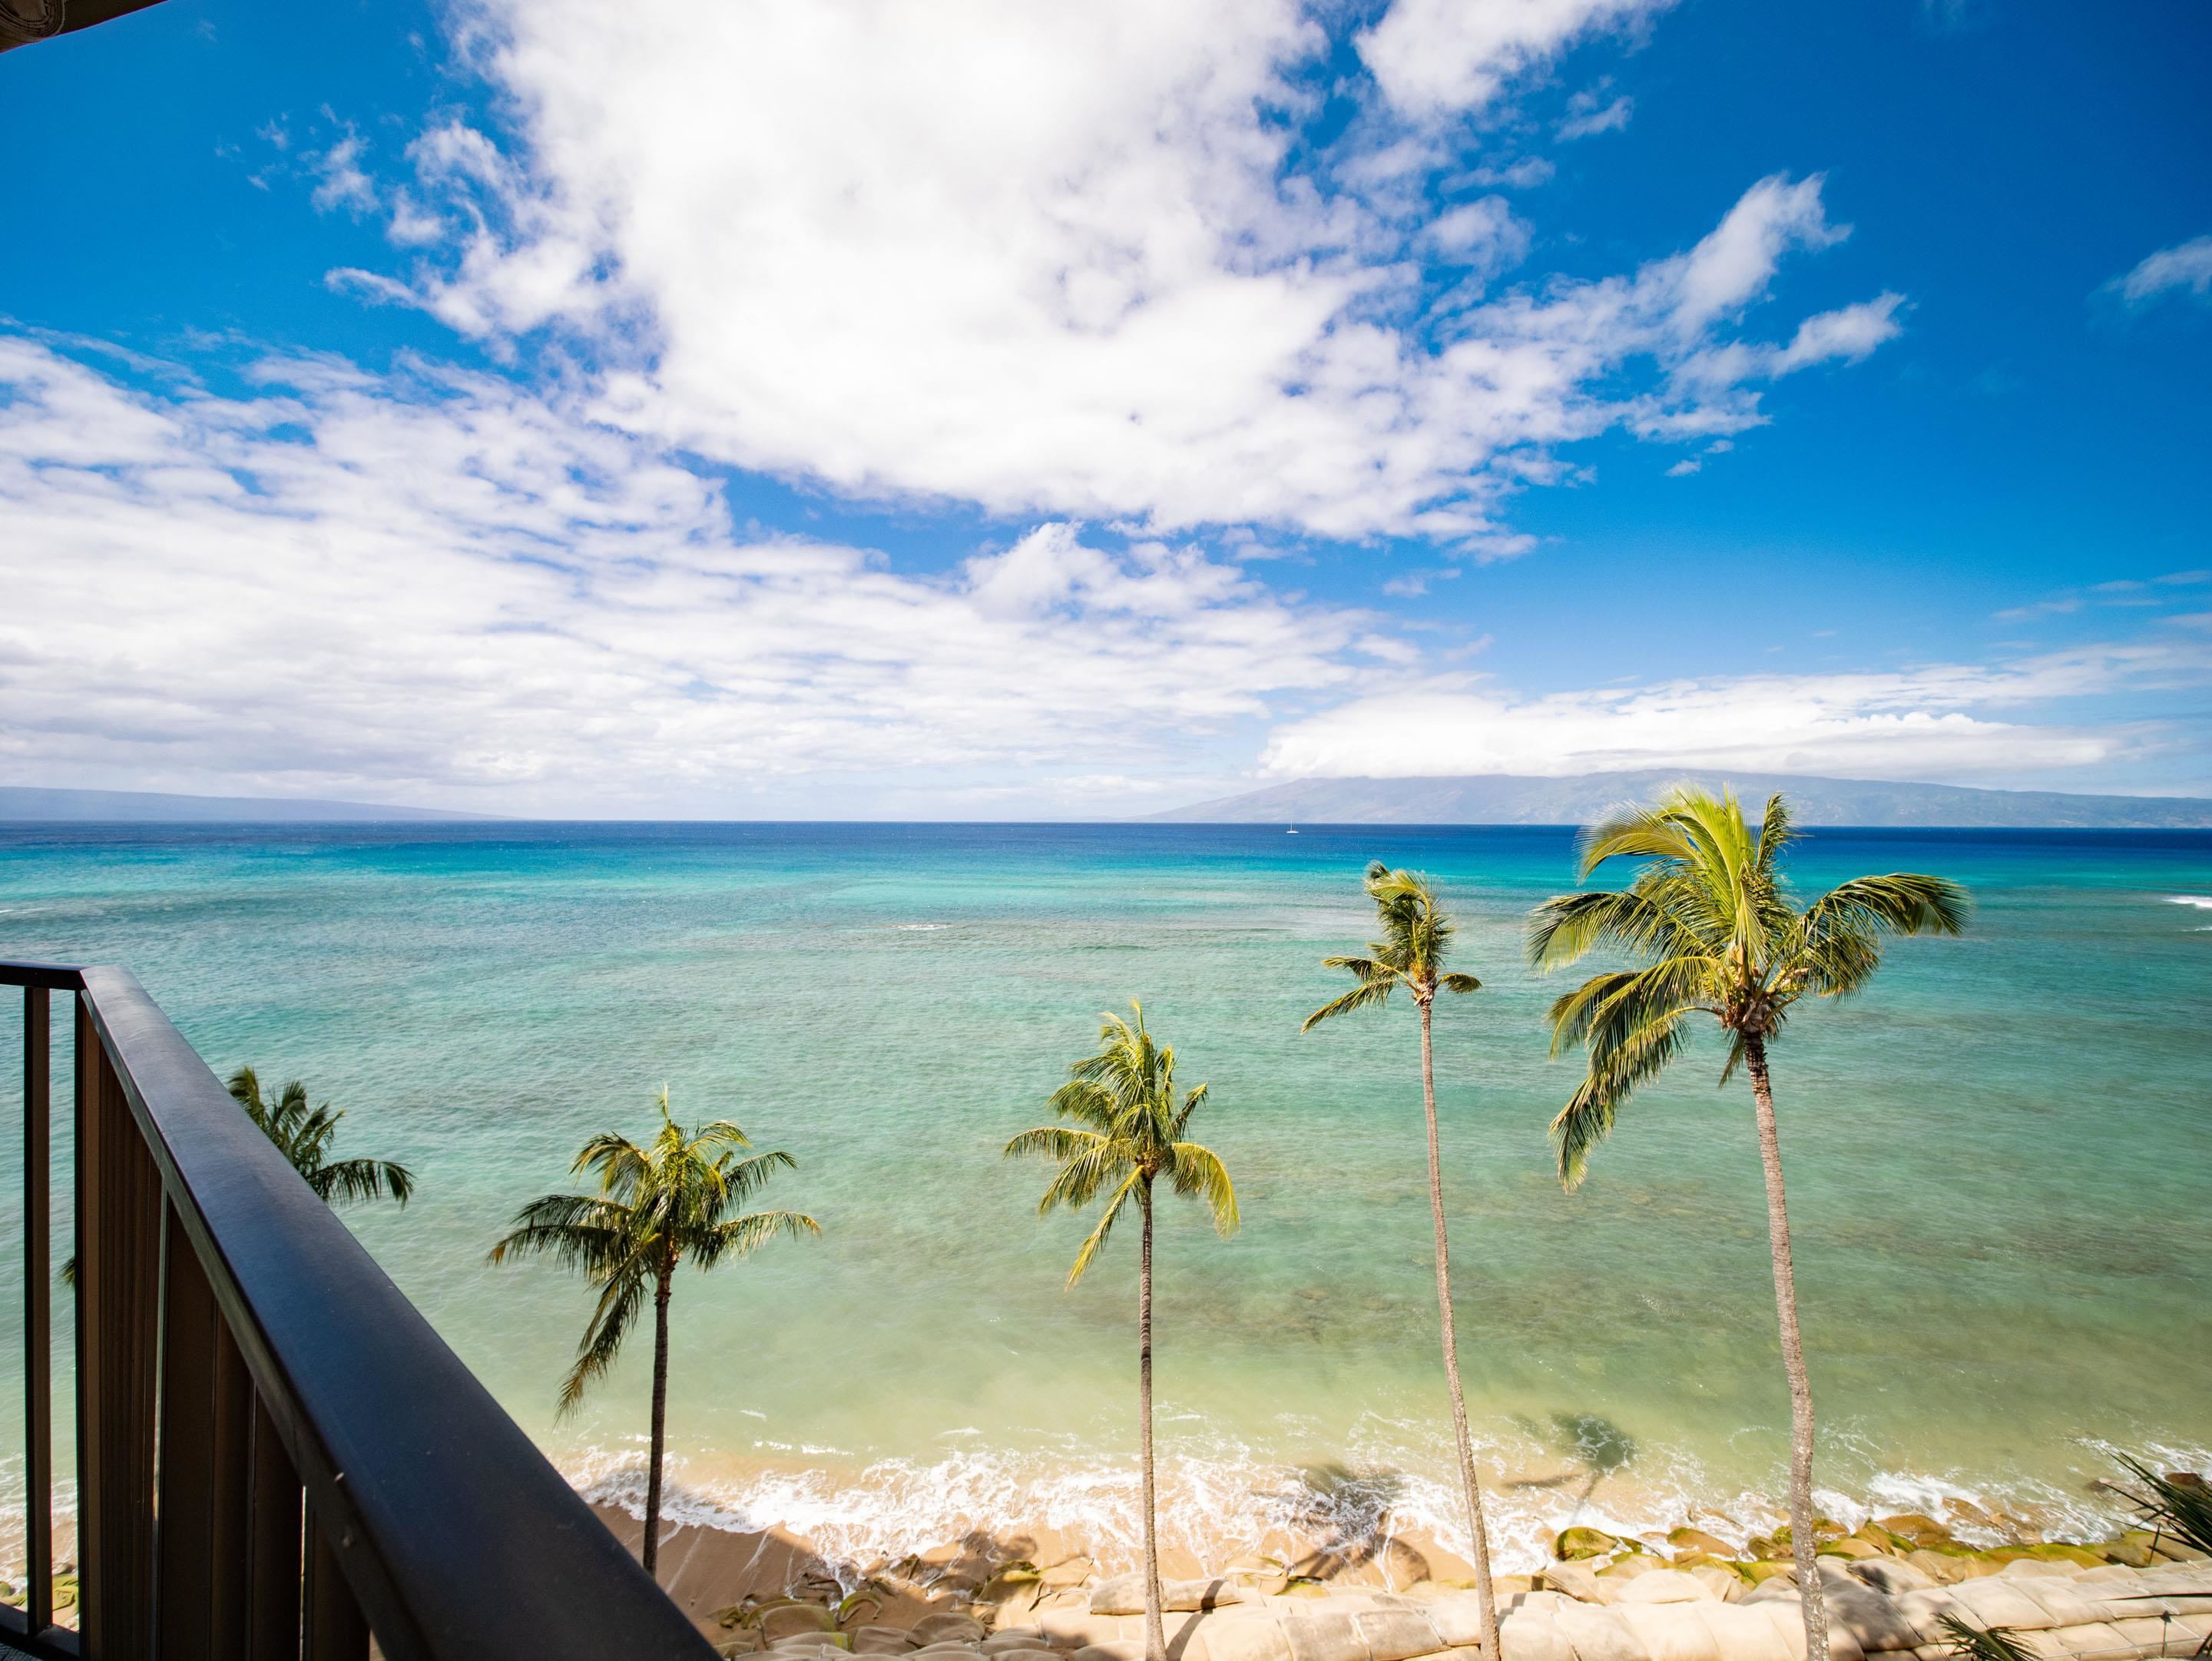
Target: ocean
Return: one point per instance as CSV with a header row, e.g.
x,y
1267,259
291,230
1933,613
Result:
x,y
1998,1160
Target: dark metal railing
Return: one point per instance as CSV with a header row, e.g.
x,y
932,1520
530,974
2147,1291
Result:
x,y
277,1456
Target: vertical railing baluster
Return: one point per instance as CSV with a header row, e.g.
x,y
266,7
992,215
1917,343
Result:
x,y
118,1253
37,1313
230,1506
272,1576
187,1564
335,1630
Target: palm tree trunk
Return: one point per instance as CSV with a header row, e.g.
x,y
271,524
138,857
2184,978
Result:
x,y
1156,1638
1485,1598
1802,1546
659,1421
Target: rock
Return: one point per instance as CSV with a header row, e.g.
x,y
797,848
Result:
x,y
2028,1566
945,1629
1721,1579
812,1641
1115,1649
1663,1586
1012,1641
1598,1634
1849,1546
1075,1571
1576,1581
1995,1601
1892,1576
1457,1617
1696,1540
1325,1636
1531,1634
878,1640
1125,1594
1914,1526
1392,1634
950,1651
793,1620
1742,1635
2131,1550
1759,1573
1670,1632
1250,1640
1579,1542
1628,1567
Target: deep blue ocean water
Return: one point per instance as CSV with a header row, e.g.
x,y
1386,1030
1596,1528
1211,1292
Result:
x,y
1998,1158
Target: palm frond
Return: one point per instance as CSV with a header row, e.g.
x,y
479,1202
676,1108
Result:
x,y
1360,997
1459,983
350,1180
603,1338
1097,1236
1972,1643
740,1236
1199,1171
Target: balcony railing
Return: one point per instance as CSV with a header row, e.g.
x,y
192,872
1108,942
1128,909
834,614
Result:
x,y
276,1457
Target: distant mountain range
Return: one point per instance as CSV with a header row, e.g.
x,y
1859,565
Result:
x,y
1505,798
24,803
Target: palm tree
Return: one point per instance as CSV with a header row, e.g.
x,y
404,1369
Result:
x,y
1417,934
1712,924
655,1206
303,1136
1127,1136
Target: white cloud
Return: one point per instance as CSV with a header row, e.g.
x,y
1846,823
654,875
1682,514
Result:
x,y
1587,116
342,182
2186,267
1946,721
1067,260
1443,56
449,590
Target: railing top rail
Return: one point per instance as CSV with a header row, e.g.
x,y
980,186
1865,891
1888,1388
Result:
x,y
54,976
458,1536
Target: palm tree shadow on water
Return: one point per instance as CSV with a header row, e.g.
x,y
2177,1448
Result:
x,y
1351,1515
1598,1446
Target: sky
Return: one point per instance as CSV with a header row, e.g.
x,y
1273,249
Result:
x,y
999,409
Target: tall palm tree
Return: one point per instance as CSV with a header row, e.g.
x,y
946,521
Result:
x,y
1127,1135
303,1134
1417,934
1712,922
655,1206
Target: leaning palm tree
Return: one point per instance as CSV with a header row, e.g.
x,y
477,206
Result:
x,y
1417,934
1127,1135
1711,922
303,1136
655,1206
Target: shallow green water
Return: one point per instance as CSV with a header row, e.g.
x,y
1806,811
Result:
x,y
1998,1158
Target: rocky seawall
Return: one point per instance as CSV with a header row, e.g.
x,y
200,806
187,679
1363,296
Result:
x,y
1889,1586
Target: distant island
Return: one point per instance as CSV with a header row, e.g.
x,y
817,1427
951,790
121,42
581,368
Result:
x,y
28,805
1508,799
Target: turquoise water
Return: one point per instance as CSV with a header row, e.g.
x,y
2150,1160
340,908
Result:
x,y
1998,1160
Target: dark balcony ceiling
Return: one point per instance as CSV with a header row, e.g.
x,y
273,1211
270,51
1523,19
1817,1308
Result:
x,y
22,21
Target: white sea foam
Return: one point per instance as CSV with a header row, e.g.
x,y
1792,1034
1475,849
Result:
x,y
2201,902
1222,1509
919,928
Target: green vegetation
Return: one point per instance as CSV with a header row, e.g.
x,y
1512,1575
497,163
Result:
x,y
655,1206
303,1136
1709,920
1127,1135
1417,934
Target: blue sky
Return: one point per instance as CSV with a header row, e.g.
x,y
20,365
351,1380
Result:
x,y
1078,410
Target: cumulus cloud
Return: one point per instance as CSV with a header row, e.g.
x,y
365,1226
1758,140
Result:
x,y
1947,722
1444,57
1077,260
445,588
2185,269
